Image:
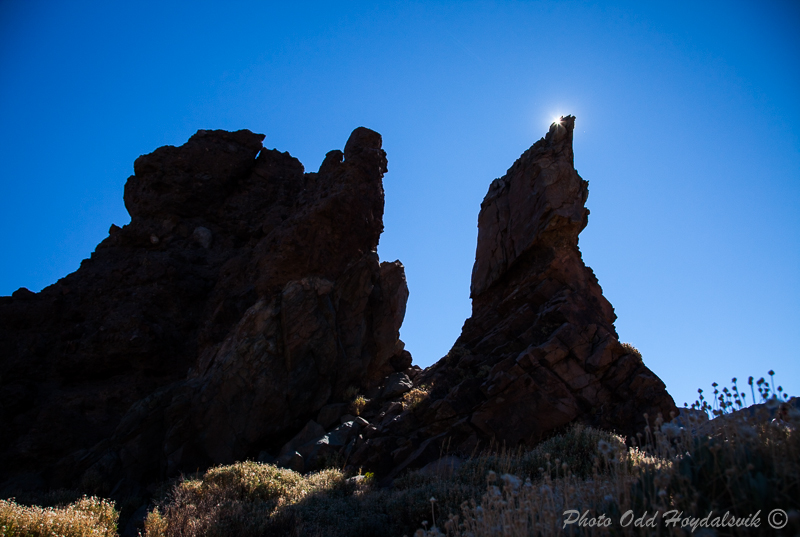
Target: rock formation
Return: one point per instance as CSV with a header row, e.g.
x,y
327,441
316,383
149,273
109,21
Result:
x,y
540,350
244,307
244,296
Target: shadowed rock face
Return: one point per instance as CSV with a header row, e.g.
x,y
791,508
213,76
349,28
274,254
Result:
x,y
245,299
539,315
540,350
243,296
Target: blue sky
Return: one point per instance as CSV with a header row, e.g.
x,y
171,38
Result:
x,y
688,131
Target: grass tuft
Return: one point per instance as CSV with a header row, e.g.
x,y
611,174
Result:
x,y
358,405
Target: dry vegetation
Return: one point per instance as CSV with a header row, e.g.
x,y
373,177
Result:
x,y
746,468
683,479
741,463
87,516
255,499
415,396
358,404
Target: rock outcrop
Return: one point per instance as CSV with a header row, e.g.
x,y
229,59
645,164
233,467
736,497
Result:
x,y
540,350
244,307
243,297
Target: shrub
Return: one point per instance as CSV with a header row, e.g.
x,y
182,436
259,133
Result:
x,y
726,401
415,396
255,499
250,499
630,349
245,498
358,404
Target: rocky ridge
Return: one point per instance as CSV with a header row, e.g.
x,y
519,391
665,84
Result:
x,y
295,317
540,350
243,296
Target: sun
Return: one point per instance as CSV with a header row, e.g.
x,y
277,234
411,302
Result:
x,y
557,119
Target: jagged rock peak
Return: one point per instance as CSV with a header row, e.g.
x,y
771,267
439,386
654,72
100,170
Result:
x,y
540,349
540,201
243,296
539,318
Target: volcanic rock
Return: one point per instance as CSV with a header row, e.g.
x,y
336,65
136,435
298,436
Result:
x,y
246,299
540,350
243,297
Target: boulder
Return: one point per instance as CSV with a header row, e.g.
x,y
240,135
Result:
x,y
316,450
396,385
292,460
309,433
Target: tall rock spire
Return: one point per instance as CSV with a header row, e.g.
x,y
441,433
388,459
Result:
x,y
539,317
540,350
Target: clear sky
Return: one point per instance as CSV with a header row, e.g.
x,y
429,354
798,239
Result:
x,y
688,131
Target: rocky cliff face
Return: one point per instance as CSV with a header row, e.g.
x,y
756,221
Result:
x,y
243,296
540,314
540,350
244,306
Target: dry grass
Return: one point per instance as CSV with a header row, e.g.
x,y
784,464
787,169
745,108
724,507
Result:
x,y
241,499
250,499
87,516
415,396
630,349
744,463
358,404
731,471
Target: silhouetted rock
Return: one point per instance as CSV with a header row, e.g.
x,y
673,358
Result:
x,y
244,296
246,299
540,350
